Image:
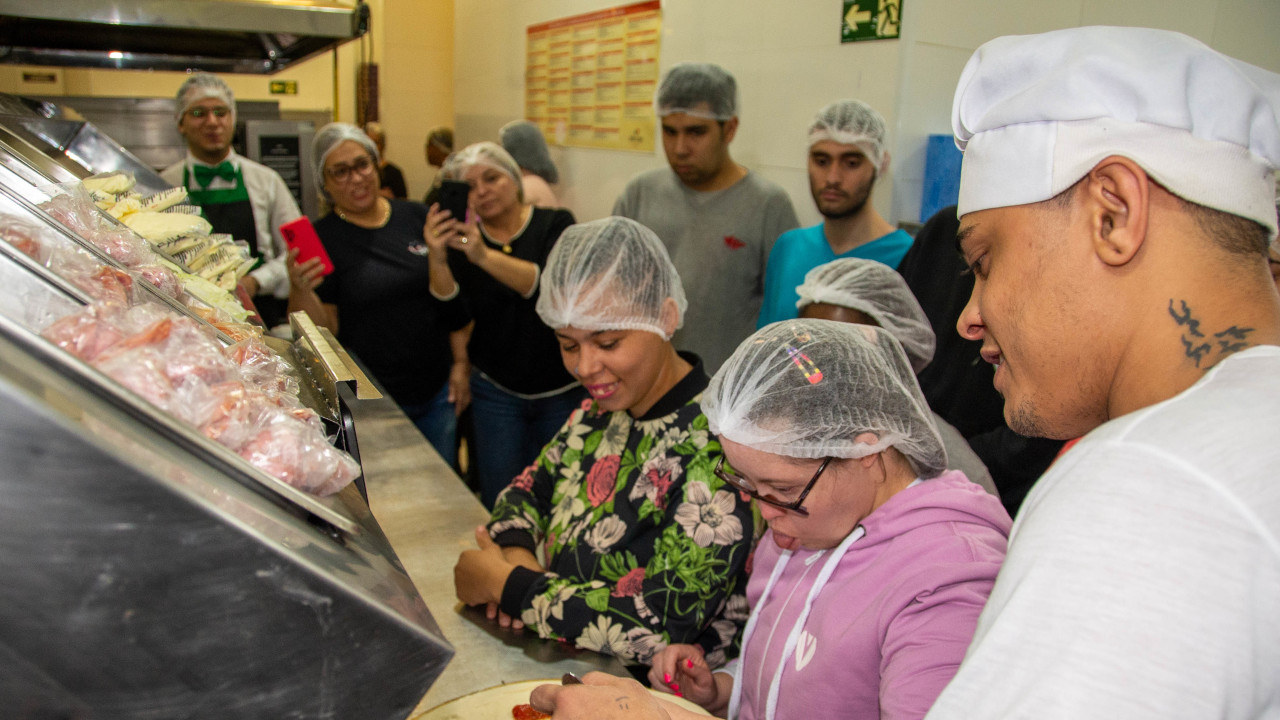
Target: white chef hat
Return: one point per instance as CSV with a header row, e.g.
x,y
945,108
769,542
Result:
x,y
1034,113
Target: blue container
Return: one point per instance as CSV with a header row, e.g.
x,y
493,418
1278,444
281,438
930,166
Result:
x,y
941,175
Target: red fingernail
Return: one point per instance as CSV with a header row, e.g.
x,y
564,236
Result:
x,y
679,694
666,678
676,687
690,663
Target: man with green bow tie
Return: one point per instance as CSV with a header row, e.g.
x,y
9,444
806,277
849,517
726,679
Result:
x,y
239,197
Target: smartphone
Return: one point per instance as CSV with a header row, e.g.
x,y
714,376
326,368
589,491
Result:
x,y
300,234
453,197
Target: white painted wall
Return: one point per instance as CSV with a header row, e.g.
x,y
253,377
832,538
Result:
x,y
788,60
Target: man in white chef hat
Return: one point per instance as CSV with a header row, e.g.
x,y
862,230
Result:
x,y
238,196
1116,203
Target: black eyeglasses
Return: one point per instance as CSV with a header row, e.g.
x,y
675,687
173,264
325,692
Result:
x,y
359,166
741,483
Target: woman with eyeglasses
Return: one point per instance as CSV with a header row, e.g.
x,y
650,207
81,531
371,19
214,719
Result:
x,y
377,300
620,538
491,259
866,588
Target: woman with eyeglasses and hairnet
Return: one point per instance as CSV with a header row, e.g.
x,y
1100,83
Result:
x,y
866,588
376,301
491,260
620,538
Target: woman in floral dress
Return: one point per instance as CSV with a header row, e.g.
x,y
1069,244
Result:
x,y
620,538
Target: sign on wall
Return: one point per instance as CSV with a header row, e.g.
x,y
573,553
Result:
x,y
590,79
870,20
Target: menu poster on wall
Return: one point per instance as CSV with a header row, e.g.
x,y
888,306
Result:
x,y
870,20
590,79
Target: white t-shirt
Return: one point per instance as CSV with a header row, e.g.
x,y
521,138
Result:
x,y
1143,574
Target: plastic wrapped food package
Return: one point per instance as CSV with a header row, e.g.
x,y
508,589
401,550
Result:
x,y
164,279
237,396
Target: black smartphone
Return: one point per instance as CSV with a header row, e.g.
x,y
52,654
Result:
x,y
453,197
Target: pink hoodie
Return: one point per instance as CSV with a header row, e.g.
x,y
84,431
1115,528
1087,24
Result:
x,y
890,627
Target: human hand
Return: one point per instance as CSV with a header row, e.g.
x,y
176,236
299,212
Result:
x,y
493,612
468,240
250,285
600,697
481,574
683,670
304,276
440,227
460,386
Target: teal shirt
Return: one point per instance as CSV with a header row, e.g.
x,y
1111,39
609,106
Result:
x,y
801,250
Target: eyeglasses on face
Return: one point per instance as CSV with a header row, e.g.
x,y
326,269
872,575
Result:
x,y
796,506
200,113
342,173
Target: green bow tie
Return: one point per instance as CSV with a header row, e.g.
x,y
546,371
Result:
x,y
205,174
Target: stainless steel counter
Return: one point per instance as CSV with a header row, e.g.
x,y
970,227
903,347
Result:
x,y
430,516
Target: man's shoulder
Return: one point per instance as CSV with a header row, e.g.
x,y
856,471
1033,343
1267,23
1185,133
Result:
x,y
173,173
655,179
757,183
806,235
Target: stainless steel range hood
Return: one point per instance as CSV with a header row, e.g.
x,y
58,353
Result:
x,y
239,36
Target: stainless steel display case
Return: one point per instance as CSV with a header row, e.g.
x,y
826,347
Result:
x,y
151,573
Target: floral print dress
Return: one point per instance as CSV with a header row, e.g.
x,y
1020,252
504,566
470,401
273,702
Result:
x,y
643,544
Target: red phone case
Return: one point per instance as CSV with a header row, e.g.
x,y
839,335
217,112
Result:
x,y
301,234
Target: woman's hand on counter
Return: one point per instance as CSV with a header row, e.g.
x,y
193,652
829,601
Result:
x,y
481,574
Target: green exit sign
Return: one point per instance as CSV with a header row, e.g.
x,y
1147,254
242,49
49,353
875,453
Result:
x,y
870,20
284,87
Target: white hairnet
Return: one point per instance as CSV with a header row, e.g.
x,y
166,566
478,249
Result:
x,y
851,122
808,388
202,85
330,137
689,85
485,153
879,291
610,274
524,141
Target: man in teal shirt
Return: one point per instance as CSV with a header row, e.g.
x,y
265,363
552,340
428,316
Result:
x,y
846,155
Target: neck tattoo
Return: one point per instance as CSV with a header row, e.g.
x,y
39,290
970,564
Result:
x,y
1200,344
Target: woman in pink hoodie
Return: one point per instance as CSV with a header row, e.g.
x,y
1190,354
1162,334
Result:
x,y
868,584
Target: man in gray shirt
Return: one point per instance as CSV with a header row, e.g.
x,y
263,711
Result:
x,y
718,219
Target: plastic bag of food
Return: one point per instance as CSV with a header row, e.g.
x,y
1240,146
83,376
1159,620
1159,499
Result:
x,y
293,452
164,279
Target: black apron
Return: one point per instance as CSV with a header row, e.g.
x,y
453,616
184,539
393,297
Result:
x,y
229,211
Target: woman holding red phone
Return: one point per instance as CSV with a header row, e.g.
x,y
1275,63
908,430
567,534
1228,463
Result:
x,y
377,300
491,261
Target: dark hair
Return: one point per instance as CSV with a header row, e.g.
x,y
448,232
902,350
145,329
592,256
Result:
x,y
1231,233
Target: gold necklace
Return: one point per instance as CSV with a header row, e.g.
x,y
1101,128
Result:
x,y
386,215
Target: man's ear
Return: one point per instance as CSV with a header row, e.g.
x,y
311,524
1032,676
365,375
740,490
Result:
x,y
884,163
1117,200
730,129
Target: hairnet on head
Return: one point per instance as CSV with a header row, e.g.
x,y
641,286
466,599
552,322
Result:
x,y
200,86
808,388
610,274
851,122
489,154
528,148
330,137
442,138
879,291
688,86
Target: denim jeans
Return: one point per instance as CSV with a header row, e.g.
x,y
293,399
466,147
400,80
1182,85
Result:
x,y
438,424
510,431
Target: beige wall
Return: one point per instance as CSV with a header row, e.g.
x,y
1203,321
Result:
x,y
412,40
789,62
